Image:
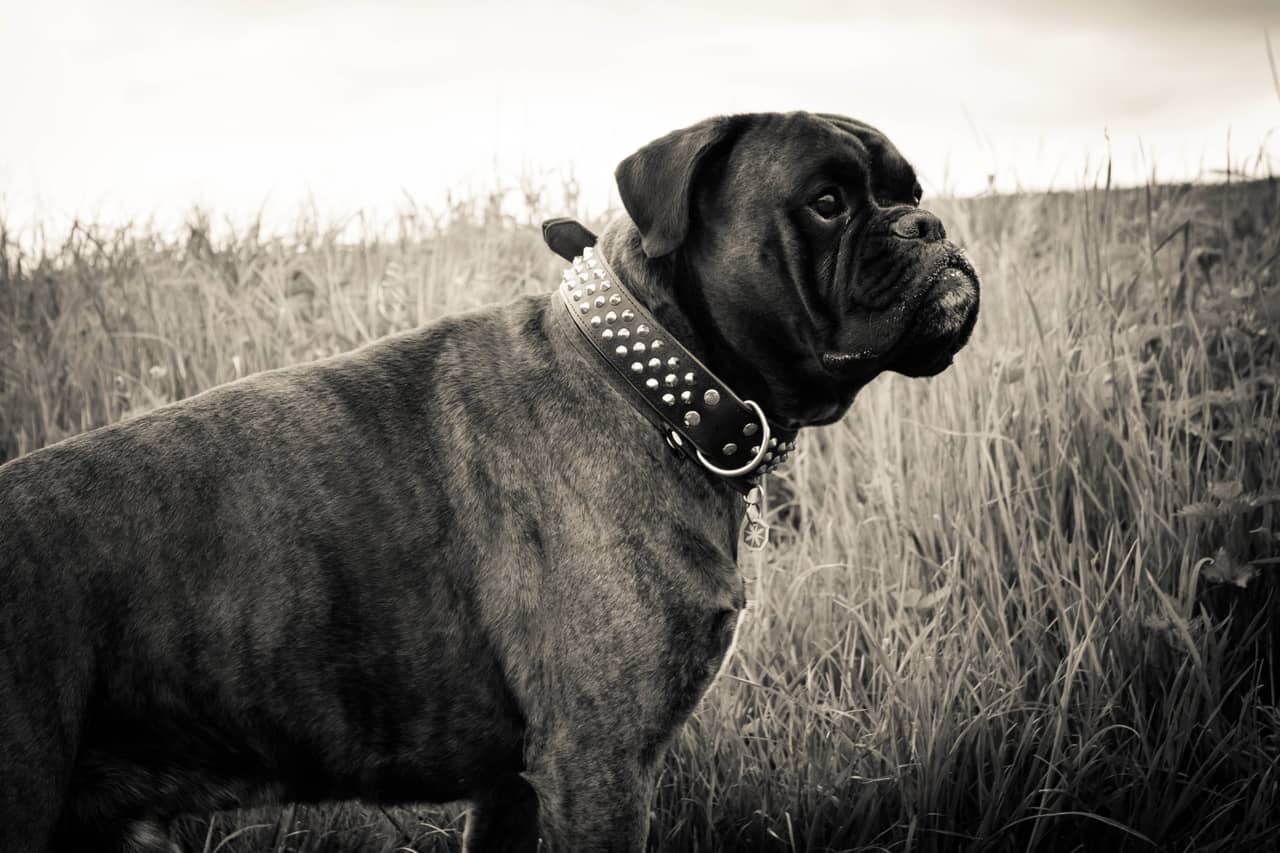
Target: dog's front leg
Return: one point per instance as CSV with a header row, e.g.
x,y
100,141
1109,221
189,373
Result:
x,y
503,818
578,801
593,799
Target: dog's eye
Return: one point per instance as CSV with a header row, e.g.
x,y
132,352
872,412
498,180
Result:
x,y
828,205
917,193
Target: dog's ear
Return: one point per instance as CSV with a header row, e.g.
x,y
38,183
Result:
x,y
656,183
567,237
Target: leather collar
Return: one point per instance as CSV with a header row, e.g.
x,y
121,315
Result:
x,y
700,416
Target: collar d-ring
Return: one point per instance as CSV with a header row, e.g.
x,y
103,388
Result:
x,y
761,451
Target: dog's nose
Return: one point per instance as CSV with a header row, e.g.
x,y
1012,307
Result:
x,y
919,225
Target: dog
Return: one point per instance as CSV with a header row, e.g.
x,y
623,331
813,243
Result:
x,y
461,563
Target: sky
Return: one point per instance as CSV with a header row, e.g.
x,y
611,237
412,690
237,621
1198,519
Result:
x,y
130,110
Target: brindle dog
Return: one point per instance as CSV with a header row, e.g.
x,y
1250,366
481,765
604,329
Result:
x,y
455,563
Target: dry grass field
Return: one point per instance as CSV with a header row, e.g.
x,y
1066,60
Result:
x,y
1026,605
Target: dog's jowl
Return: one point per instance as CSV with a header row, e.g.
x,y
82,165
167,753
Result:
x,y
494,558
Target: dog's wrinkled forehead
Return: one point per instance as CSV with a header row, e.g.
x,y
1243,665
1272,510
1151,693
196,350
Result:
x,y
734,170
829,148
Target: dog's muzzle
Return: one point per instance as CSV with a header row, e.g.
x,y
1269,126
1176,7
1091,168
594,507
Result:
x,y
921,332
944,320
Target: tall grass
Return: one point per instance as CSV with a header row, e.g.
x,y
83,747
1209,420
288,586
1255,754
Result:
x,y
1025,605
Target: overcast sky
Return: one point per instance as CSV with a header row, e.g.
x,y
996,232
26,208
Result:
x,y
134,109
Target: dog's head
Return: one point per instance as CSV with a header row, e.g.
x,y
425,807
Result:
x,y
796,245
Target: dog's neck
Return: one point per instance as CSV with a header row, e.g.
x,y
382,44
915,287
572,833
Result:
x,y
642,342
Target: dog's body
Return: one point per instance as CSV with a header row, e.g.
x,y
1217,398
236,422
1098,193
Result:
x,y
386,575
453,564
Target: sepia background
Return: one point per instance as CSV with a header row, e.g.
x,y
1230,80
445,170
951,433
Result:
x,y
1028,604
139,109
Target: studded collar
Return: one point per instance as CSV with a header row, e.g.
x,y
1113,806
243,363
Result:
x,y
700,416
